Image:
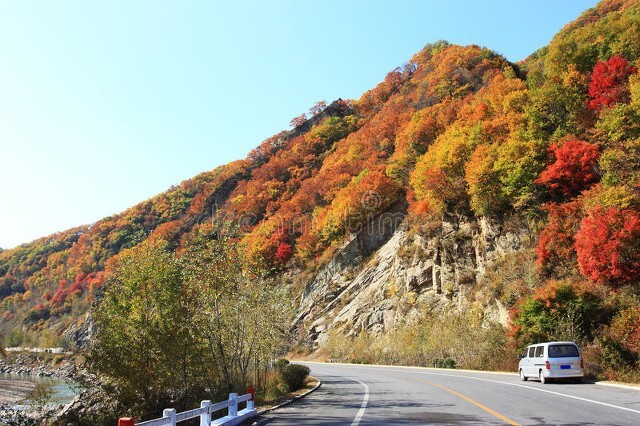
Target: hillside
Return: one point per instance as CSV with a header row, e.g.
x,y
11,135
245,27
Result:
x,y
463,195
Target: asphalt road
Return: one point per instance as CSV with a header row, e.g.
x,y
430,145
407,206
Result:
x,y
372,395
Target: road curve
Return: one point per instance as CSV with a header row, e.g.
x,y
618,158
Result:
x,y
381,395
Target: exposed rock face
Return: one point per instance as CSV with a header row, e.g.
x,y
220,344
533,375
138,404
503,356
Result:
x,y
382,276
81,332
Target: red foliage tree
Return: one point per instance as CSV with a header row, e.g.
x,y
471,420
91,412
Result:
x,y
61,293
76,288
556,242
271,249
608,84
283,253
574,168
607,246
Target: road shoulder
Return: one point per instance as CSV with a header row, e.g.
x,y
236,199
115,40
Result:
x,y
265,410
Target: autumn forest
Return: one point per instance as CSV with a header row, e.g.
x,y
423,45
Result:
x,y
457,132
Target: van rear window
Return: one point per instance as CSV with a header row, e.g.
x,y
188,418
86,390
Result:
x,y
563,351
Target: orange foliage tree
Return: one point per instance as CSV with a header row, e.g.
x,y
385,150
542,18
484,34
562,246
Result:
x,y
368,194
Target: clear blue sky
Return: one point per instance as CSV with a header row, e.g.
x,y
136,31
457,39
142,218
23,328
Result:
x,y
105,104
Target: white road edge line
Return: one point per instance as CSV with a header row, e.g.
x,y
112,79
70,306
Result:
x,y
570,396
535,389
363,406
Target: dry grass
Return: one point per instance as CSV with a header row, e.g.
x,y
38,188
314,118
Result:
x,y
320,355
268,403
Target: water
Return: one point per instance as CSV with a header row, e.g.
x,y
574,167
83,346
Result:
x,y
63,390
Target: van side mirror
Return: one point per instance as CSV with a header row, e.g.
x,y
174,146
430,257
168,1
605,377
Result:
x,y
520,356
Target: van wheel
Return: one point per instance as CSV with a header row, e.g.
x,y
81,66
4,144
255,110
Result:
x,y
522,376
543,379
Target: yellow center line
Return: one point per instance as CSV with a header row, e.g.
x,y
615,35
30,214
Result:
x,y
476,403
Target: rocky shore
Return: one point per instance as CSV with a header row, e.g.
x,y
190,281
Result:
x,y
23,367
43,365
14,391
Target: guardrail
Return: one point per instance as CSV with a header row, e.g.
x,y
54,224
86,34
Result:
x,y
37,350
233,417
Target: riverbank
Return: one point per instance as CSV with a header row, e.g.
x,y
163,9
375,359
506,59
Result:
x,y
20,374
14,391
61,366
13,395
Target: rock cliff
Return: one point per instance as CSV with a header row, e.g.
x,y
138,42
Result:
x,y
390,272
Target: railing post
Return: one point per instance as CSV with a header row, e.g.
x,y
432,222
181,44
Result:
x,y
251,401
233,404
170,413
126,421
205,418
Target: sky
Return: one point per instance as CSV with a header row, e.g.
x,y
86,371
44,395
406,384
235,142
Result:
x,y
104,104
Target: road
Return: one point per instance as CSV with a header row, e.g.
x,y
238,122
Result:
x,y
376,395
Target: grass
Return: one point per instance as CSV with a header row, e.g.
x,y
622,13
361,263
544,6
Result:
x,y
269,403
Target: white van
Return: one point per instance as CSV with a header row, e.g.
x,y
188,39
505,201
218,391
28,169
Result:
x,y
552,360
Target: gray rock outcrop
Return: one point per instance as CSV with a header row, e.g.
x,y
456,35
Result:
x,y
386,275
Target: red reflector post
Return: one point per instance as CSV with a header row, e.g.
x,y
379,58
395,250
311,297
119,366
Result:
x,y
126,421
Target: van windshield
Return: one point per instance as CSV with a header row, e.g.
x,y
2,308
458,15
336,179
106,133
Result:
x,y
563,351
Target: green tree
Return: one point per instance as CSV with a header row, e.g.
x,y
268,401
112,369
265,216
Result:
x,y
561,310
173,329
143,341
242,319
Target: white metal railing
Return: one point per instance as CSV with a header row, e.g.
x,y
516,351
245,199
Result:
x,y
233,417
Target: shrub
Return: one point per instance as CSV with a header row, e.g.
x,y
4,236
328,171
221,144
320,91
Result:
x,y
40,395
561,310
620,345
280,364
447,363
273,387
508,279
338,346
38,313
294,375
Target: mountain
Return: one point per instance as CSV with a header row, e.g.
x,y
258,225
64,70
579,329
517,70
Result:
x,y
463,192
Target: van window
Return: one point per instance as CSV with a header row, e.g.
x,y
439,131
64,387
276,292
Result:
x,y
539,351
563,351
531,351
